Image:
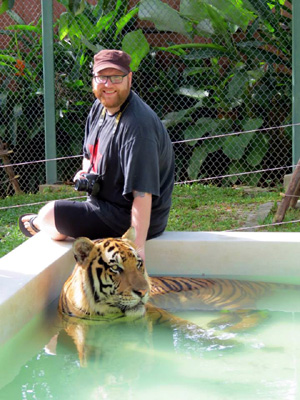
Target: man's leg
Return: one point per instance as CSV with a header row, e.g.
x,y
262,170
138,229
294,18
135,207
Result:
x,y
65,218
44,221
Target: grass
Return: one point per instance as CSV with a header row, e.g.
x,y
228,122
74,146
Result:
x,y
209,208
10,235
195,208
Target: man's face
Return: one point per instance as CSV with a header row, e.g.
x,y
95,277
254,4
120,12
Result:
x,y
112,95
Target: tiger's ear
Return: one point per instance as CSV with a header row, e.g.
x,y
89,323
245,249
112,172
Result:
x,y
82,248
130,234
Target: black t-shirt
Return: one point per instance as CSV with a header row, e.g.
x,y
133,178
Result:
x,y
134,154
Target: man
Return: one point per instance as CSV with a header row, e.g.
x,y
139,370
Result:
x,y
129,149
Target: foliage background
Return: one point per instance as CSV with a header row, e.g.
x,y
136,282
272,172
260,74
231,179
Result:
x,y
209,68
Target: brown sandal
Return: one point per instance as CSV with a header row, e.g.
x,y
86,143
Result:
x,y
22,227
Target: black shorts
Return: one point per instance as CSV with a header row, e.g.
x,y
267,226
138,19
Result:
x,y
75,219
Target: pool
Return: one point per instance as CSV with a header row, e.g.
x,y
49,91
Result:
x,y
39,360
132,360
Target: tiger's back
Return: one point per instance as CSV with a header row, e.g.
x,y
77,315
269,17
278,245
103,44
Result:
x,y
216,293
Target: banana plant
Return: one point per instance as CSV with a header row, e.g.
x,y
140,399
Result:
x,y
99,26
22,72
248,45
6,5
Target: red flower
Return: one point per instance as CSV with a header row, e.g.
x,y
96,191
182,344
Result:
x,y
20,65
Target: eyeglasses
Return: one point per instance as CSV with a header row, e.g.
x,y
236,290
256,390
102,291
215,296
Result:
x,y
113,78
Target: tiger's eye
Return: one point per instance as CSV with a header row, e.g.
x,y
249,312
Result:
x,y
116,269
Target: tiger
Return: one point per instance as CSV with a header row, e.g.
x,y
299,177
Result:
x,y
110,284
110,279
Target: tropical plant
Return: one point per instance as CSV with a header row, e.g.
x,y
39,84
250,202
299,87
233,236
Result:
x,y
227,69
237,79
80,32
6,5
21,98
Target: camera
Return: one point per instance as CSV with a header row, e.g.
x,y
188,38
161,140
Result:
x,y
88,183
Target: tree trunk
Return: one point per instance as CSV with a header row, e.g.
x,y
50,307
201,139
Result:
x,y
291,191
9,170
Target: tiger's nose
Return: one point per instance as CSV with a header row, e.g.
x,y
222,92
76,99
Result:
x,y
141,292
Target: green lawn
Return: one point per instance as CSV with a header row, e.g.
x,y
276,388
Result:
x,y
195,208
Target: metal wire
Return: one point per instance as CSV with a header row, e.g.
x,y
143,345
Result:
x,y
230,175
39,202
261,226
236,133
174,142
39,161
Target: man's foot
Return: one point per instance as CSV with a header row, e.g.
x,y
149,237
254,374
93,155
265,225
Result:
x,y
27,224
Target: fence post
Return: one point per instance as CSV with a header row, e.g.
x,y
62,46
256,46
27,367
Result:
x,y
49,99
296,81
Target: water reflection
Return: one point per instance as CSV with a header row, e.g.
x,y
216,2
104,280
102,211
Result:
x,y
161,356
86,360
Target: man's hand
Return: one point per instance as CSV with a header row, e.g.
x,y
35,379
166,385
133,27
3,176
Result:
x,y
79,175
85,167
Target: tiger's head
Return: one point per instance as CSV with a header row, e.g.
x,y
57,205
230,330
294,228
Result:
x,y
109,278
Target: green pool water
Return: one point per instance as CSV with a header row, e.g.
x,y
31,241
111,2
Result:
x,y
139,360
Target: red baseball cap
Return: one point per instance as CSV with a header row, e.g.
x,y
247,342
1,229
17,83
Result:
x,y
112,59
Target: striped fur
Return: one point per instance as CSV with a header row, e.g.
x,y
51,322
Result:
x,y
217,293
109,278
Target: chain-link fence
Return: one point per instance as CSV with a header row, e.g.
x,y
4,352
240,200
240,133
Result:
x,y
217,72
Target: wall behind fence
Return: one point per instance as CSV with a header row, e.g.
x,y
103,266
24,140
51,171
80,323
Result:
x,y
208,69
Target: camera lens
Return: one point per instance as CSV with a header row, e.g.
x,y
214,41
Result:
x,y
81,185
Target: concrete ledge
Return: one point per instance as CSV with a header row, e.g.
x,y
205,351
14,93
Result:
x,y
265,256
32,275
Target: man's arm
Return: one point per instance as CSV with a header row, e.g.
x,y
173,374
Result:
x,y
85,166
140,218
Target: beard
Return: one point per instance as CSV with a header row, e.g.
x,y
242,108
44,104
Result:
x,y
115,99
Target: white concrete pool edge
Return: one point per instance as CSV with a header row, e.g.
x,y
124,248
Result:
x,y
31,276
